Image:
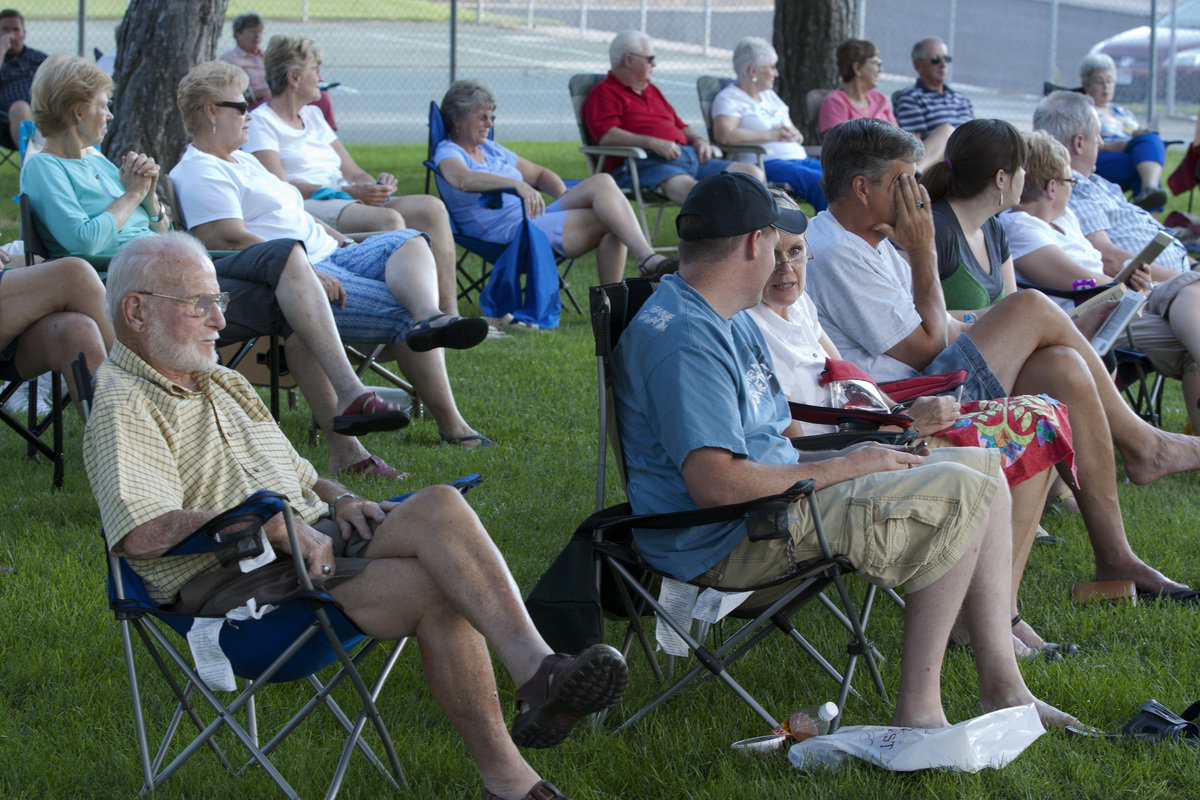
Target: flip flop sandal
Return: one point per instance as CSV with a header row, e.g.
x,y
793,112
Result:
x,y
1154,721
459,441
1185,595
459,333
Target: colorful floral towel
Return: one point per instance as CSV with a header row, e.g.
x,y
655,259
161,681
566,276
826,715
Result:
x,y
1030,431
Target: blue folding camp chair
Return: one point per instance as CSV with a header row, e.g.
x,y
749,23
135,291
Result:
x,y
487,252
301,637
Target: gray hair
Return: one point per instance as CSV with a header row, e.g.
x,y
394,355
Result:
x,y
752,51
864,147
287,54
918,51
462,98
249,19
1093,63
624,43
1064,115
137,262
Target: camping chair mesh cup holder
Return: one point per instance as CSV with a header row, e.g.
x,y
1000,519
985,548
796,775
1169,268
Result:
x,y
613,306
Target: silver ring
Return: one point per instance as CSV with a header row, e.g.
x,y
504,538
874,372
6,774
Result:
x,y
328,568
920,204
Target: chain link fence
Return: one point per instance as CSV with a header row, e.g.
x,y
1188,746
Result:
x,y
392,58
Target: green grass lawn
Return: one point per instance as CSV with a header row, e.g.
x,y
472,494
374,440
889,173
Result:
x,y
65,725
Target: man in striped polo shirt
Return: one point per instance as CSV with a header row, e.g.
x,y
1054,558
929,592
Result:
x,y
930,108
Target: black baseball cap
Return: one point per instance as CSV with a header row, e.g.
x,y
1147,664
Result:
x,y
730,204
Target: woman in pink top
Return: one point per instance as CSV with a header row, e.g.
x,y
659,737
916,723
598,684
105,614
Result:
x,y
860,66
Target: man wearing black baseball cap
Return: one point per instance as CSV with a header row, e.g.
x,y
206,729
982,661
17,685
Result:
x,y
704,423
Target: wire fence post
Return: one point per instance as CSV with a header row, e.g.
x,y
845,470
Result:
x,y
582,18
707,25
82,23
642,26
479,11
1052,52
304,10
529,15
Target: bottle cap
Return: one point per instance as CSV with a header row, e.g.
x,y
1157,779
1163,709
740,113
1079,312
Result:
x,y
827,711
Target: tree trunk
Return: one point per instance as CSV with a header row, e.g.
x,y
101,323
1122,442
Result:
x,y
807,35
157,43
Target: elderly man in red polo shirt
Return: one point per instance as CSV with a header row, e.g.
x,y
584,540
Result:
x,y
625,109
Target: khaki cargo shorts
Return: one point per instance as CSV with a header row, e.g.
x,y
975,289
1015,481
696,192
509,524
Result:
x,y
903,528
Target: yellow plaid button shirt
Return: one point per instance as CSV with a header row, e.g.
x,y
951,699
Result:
x,y
152,447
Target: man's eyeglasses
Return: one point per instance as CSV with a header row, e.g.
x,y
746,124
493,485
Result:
x,y
1070,179
649,59
201,304
239,106
487,117
939,59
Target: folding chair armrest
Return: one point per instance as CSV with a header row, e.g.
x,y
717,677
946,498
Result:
x,y
612,150
771,509
1080,294
228,545
488,199
756,149
843,439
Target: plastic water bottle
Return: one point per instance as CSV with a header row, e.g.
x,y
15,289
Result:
x,y
810,721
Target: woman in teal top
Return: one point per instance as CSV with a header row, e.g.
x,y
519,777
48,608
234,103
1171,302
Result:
x,y
982,174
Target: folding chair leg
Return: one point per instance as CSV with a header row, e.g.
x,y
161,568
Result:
x,y
706,661
635,625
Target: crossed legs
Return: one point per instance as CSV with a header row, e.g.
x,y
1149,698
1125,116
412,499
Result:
x,y
437,575
1032,347
422,212
57,308
600,217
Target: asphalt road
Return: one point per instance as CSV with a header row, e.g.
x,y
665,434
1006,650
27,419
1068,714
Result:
x,y
390,71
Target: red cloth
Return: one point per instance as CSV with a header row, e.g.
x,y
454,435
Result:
x,y
1030,431
1184,176
613,104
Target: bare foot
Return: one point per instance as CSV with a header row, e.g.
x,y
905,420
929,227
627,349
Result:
x,y
1147,578
916,720
1176,452
1050,716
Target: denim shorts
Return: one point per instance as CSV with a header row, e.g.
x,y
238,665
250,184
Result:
x,y
653,170
981,383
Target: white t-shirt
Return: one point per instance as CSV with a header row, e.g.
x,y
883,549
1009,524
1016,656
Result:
x,y
757,115
210,188
1027,234
863,295
306,154
795,347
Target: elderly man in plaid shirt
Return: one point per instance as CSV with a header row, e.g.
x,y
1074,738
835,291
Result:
x,y
174,439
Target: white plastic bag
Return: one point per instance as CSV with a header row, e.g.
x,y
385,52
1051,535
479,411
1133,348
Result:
x,y
991,740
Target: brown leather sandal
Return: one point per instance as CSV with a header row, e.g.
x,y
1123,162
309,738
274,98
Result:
x,y
542,790
564,690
